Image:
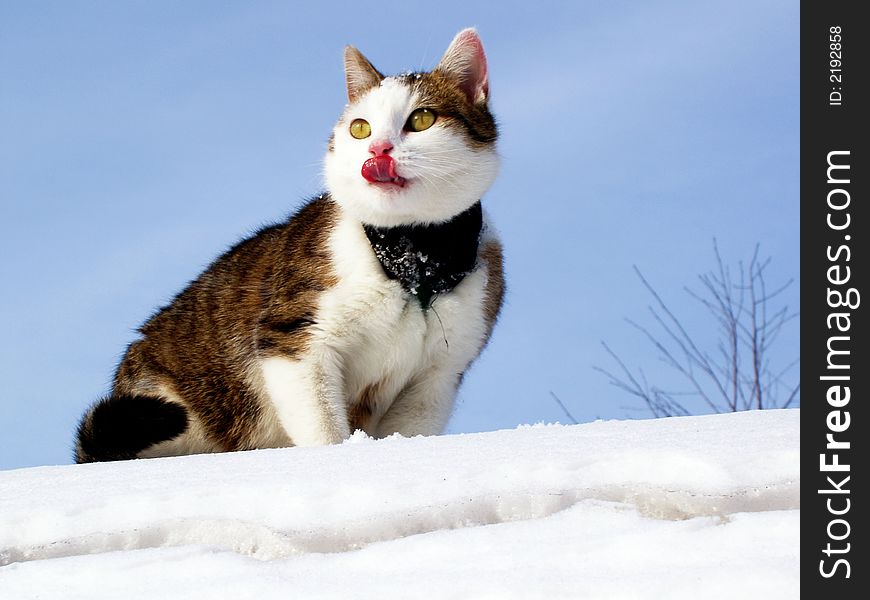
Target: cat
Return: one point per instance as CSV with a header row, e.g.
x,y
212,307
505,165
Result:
x,y
362,311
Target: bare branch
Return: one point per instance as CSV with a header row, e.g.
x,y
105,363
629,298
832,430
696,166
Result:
x,y
739,373
792,396
564,408
659,402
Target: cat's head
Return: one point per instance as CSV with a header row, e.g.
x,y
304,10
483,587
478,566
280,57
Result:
x,y
416,148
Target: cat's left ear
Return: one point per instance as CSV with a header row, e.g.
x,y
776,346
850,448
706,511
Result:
x,y
465,62
359,73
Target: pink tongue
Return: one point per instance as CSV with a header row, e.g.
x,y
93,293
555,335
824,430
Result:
x,y
380,169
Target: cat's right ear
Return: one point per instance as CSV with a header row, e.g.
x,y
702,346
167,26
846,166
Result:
x,y
359,73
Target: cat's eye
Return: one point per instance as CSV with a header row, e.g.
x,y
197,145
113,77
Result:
x,y
360,129
420,119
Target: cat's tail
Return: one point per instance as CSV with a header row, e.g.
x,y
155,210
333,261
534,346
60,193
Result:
x,y
120,426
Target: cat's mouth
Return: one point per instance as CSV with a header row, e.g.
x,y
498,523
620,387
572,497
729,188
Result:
x,y
382,170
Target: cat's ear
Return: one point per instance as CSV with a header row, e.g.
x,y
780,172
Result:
x,y
465,62
359,73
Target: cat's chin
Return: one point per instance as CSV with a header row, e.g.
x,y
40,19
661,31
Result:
x,y
387,205
392,205
394,185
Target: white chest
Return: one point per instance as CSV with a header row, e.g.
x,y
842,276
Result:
x,y
381,335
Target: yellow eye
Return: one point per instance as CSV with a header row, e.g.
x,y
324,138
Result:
x,y
421,119
360,129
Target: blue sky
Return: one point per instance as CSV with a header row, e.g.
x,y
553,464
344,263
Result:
x,y
141,139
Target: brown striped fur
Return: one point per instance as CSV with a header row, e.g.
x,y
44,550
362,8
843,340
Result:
x,y
362,408
256,300
491,255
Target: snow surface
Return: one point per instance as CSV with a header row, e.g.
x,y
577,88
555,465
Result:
x,y
691,507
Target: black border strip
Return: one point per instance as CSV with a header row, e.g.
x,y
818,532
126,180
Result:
x,y
834,231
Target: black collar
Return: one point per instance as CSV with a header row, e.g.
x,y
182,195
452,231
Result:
x,y
429,259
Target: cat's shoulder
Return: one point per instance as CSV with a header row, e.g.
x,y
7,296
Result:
x,y
306,228
316,217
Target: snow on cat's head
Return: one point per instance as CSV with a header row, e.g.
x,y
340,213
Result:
x,y
416,148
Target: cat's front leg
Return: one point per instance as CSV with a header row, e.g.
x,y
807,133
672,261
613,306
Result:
x,y
308,398
424,405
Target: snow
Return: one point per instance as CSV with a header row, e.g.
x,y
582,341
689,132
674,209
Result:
x,y
690,507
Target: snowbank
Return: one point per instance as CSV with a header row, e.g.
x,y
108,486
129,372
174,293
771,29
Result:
x,y
693,507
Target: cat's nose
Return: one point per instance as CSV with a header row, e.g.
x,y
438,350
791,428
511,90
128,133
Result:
x,y
380,147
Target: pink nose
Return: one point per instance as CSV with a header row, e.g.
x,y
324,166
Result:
x,y
381,147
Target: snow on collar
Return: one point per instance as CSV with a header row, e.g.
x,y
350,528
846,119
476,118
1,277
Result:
x,y
428,260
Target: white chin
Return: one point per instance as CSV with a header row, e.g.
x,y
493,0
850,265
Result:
x,y
387,205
